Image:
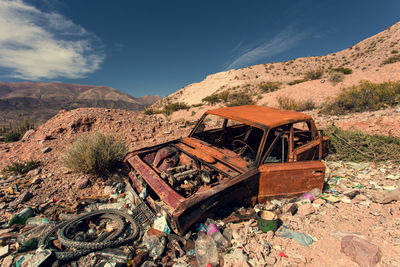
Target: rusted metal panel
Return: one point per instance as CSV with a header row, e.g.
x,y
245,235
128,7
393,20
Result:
x,y
163,190
195,152
224,155
289,179
240,190
260,116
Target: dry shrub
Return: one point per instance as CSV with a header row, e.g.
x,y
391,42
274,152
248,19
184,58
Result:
x,y
95,152
313,74
268,87
291,104
336,77
230,98
356,146
363,97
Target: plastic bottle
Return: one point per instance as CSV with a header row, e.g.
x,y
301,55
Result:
x,y
206,251
213,231
21,217
312,195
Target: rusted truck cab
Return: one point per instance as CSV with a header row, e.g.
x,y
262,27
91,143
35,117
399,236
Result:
x,y
234,155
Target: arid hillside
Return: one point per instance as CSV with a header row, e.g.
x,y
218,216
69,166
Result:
x,y
316,79
40,101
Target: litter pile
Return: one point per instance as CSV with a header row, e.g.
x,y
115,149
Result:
x,y
122,231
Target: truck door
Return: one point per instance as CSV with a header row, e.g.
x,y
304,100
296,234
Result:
x,y
281,175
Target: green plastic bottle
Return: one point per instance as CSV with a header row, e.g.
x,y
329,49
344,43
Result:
x,y
21,217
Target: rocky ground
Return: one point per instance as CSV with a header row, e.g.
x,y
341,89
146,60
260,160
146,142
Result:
x,y
354,204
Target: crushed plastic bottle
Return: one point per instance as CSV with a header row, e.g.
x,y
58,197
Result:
x,y
312,195
213,231
206,250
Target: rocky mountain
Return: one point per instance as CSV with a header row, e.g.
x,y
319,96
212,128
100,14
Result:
x,y
40,101
375,59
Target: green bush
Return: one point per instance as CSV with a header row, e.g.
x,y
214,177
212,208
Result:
x,y
21,167
363,97
12,137
336,77
313,74
269,86
391,60
291,104
356,146
95,153
345,71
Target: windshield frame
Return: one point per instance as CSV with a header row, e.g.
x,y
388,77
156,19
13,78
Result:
x,y
262,141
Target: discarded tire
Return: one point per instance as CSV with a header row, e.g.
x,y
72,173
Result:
x,y
64,240
84,248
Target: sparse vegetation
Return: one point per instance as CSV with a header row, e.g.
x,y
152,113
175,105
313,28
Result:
x,y
391,60
21,167
336,77
363,97
313,74
296,105
268,87
95,152
345,71
240,99
297,81
149,111
356,146
171,107
168,109
230,99
12,137
394,51
15,133
197,105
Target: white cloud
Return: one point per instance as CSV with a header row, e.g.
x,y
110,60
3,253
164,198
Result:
x,y
38,45
283,41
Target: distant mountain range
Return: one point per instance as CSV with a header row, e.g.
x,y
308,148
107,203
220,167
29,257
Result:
x,y
40,101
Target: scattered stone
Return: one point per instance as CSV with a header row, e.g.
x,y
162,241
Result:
x,y
4,251
24,197
37,180
393,177
305,210
46,150
67,171
361,251
27,135
8,261
83,183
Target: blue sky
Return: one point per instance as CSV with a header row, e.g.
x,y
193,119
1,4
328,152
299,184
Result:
x,y
157,47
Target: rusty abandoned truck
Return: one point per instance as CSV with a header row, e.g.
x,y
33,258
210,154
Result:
x,y
233,156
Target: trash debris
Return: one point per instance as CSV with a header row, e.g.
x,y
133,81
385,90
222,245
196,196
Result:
x,y
155,245
300,238
206,250
267,221
160,223
213,231
33,259
21,217
361,251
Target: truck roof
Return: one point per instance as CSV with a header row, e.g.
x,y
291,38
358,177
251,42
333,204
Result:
x,y
260,116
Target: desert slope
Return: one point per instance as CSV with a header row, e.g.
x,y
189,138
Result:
x,y
364,59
